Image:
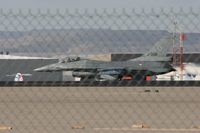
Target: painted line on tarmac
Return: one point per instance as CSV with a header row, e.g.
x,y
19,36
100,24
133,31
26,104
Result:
x,y
147,129
5,128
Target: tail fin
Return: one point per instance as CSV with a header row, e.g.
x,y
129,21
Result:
x,y
158,52
161,48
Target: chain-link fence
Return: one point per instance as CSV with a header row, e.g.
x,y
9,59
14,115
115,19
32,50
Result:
x,y
83,32
46,36
99,109
96,46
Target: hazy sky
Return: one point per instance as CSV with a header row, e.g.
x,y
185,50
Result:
x,y
107,4
35,4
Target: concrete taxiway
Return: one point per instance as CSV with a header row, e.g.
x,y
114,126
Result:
x,y
100,109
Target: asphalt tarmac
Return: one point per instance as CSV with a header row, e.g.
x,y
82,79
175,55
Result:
x,y
99,109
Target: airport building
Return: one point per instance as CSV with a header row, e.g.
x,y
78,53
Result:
x,y
187,57
11,65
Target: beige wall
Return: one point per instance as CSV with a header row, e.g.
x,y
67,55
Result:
x,y
104,57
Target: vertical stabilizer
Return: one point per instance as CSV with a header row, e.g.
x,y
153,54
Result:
x,y
161,48
158,52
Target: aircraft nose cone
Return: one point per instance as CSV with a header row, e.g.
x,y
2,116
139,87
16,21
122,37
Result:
x,y
41,69
48,68
37,69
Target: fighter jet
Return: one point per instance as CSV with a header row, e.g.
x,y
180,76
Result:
x,y
154,62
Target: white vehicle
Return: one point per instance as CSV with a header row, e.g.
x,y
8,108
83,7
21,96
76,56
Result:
x,y
191,72
19,77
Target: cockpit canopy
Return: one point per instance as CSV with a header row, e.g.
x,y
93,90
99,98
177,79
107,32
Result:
x,y
69,59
